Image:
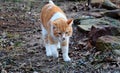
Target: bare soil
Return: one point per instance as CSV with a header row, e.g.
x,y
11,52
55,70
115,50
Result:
x,y
21,45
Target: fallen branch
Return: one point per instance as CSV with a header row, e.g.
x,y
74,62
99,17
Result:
x,y
112,13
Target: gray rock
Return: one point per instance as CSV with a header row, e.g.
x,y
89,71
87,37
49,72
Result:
x,y
108,43
86,24
116,52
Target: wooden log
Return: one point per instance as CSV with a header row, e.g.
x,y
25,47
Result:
x,y
97,1
102,3
109,5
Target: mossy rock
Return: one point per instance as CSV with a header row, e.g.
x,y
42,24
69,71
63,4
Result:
x,y
85,23
108,43
116,52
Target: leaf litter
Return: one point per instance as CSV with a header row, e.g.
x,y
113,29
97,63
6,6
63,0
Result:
x,y
23,49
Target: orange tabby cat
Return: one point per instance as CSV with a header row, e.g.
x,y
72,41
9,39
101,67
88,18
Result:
x,y
56,30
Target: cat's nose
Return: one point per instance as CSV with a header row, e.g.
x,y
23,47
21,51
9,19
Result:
x,y
63,39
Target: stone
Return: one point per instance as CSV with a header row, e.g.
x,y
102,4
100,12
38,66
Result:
x,y
116,52
108,43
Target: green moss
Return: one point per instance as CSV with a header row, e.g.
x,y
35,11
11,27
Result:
x,y
112,43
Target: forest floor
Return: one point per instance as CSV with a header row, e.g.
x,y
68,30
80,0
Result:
x,y
21,45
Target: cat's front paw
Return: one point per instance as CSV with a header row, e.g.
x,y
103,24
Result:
x,y
49,53
67,59
55,54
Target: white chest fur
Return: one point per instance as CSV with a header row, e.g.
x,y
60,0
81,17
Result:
x,y
58,15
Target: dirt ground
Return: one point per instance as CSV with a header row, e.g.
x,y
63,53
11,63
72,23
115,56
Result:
x,y
21,45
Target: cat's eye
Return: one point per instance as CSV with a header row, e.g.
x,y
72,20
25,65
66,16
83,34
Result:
x,y
54,27
66,32
59,33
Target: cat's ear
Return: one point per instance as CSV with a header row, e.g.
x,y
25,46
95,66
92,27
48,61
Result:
x,y
70,22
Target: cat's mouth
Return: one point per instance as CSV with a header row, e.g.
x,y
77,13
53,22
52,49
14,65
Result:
x,y
61,39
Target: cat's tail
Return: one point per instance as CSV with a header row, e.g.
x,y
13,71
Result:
x,y
51,2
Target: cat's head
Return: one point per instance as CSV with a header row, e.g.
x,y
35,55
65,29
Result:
x,y
62,28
